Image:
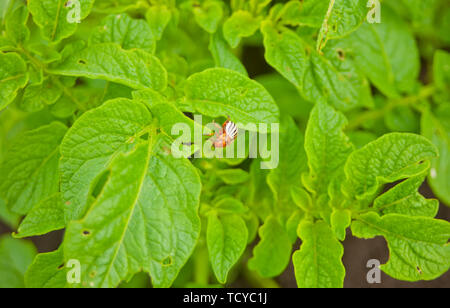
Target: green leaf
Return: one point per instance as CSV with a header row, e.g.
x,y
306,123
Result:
x,y
233,176
226,238
285,51
340,221
318,263
271,255
387,54
134,68
145,218
220,92
129,33
15,25
436,127
92,142
158,17
208,15
15,257
13,76
332,77
46,216
230,205
8,218
47,271
37,96
223,56
405,199
292,163
390,158
326,145
166,112
29,173
341,18
441,72
418,246
240,24
58,18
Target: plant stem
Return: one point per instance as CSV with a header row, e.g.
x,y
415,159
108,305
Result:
x,y
257,281
376,114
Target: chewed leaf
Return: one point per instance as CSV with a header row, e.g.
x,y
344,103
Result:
x,y
91,143
390,158
418,246
145,218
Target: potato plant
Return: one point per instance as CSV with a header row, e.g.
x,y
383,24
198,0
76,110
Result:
x,y
90,92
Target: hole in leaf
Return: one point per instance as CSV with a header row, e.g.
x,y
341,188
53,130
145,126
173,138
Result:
x,y
419,270
61,266
81,61
86,232
167,261
145,136
340,54
101,181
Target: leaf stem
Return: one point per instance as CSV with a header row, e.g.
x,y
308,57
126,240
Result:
x,y
323,35
424,93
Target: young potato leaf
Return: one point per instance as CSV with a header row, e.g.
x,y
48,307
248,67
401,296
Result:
x,y
340,221
405,199
29,173
318,263
13,76
158,17
387,53
436,127
326,145
59,19
145,218
48,270
271,255
226,237
91,143
290,168
129,33
37,96
44,217
390,158
285,51
240,24
233,176
208,15
220,92
135,68
15,25
223,56
15,257
418,246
